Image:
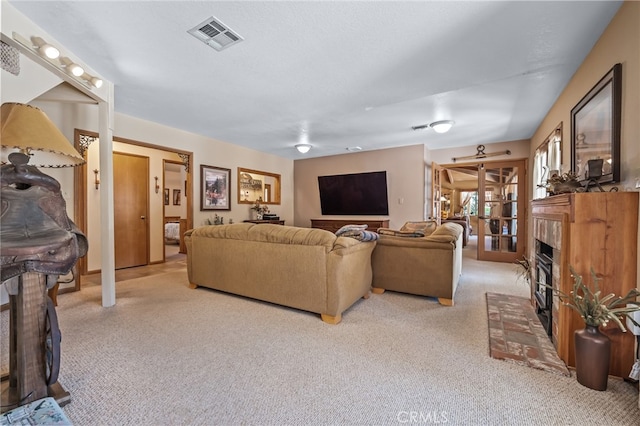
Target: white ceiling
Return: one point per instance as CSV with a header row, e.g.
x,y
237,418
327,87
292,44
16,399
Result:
x,y
346,73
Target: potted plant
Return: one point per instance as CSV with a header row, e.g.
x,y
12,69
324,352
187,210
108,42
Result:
x,y
563,183
592,347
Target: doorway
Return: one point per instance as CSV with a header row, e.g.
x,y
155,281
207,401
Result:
x,y
175,209
493,196
131,209
87,203
502,205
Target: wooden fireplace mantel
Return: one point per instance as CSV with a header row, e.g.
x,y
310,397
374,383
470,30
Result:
x,y
599,230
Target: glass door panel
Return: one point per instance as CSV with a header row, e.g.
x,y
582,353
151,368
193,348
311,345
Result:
x,y
501,184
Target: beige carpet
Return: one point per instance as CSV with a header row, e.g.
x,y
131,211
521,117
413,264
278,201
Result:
x,y
169,355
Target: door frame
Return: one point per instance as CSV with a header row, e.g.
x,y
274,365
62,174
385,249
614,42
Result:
x,y
82,139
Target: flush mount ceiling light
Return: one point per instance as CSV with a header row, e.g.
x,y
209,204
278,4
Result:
x,y
303,148
442,126
354,148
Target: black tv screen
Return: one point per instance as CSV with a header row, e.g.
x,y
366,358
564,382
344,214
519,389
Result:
x,y
354,194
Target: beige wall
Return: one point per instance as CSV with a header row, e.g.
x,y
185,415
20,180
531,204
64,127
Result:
x,y
405,169
620,43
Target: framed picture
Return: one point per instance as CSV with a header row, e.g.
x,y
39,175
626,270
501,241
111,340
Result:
x,y
215,187
166,196
595,130
176,197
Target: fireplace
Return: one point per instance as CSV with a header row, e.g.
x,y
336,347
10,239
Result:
x,y
543,285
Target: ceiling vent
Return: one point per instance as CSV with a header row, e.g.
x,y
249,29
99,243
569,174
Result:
x,y
215,34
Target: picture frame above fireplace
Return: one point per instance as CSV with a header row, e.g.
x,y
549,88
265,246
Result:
x,y
595,128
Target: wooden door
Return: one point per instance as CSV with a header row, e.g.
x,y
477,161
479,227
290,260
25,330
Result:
x,y
131,205
436,191
501,211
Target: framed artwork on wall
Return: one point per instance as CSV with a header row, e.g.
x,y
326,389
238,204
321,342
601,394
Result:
x,y
595,129
176,197
215,187
166,196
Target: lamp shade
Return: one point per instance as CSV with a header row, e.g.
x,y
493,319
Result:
x,y
27,129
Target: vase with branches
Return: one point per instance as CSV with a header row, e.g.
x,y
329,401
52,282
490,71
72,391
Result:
x,y
592,347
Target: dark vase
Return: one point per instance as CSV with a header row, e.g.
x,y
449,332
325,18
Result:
x,y
592,357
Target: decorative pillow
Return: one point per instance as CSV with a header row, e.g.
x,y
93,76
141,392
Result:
x,y
427,226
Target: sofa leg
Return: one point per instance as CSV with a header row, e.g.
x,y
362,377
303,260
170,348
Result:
x,y
331,319
445,302
192,285
366,295
377,290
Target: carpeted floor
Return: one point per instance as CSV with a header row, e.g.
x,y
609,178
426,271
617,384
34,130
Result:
x,y
516,334
169,355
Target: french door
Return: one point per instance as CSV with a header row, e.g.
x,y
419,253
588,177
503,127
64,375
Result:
x,y
502,210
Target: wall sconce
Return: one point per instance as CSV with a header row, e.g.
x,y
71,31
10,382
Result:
x,y
97,181
157,186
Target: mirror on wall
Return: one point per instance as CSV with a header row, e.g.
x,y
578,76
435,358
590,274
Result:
x,y
255,185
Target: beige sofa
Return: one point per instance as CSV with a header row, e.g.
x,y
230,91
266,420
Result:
x,y
303,268
426,266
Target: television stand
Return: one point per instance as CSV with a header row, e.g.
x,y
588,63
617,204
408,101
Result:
x,y
332,225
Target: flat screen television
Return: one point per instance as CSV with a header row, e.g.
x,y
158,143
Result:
x,y
354,194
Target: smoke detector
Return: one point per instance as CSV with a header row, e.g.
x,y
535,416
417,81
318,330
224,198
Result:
x,y
214,33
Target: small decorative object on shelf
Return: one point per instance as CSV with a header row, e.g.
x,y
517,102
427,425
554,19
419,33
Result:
x,y
259,209
217,220
563,183
592,348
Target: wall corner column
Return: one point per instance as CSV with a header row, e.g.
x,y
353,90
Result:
x,y
107,229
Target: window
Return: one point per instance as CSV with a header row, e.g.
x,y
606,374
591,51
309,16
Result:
x,y
469,202
547,161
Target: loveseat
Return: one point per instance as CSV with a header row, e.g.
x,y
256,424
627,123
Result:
x,y
302,268
427,265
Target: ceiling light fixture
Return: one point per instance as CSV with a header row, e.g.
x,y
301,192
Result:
x,y
303,148
51,54
442,126
97,82
354,148
45,48
72,67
